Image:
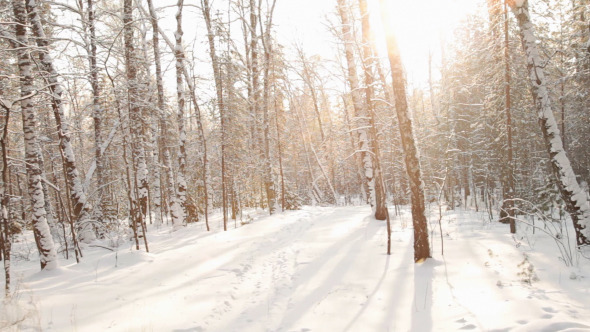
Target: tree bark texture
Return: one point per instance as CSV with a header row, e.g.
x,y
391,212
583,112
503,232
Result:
x,y
80,207
43,239
361,124
421,244
569,189
179,210
369,67
135,117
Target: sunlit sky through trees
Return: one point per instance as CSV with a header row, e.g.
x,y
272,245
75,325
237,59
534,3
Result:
x,y
419,27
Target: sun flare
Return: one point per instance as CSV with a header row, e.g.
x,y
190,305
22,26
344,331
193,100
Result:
x,y
419,28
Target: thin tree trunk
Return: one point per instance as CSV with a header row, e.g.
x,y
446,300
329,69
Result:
x,y
128,175
5,239
280,153
421,244
179,210
220,104
571,193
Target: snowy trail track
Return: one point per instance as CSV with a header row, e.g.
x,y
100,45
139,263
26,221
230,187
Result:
x,y
317,269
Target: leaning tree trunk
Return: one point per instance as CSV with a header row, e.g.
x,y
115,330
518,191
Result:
x,y
571,193
80,207
359,109
421,245
45,245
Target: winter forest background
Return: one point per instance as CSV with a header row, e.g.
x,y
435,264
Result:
x,y
122,118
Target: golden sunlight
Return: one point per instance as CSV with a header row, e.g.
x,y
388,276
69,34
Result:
x,y
419,27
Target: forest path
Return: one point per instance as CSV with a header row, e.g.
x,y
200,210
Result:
x,y
316,269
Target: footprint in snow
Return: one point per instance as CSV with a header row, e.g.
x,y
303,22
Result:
x,y
468,327
465,327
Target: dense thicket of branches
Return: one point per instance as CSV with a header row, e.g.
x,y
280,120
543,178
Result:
x,y
127,122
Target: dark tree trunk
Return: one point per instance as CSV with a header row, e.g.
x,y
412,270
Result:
x,y
421,244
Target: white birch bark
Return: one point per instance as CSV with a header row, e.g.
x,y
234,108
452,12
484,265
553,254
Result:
x,y
80,207
135,115
179,209
45,245
200,128
571,192
5,233
368,61
97,113
151,119
360,110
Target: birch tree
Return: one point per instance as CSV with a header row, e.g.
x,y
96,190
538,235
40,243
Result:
x,y
161,119
97,110
33,157
5,234
179,209
140,180
360,125
203,154
80,207
266,81
369,67
569,189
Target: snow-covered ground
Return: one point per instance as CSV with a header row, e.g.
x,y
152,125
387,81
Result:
x,y
316,269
